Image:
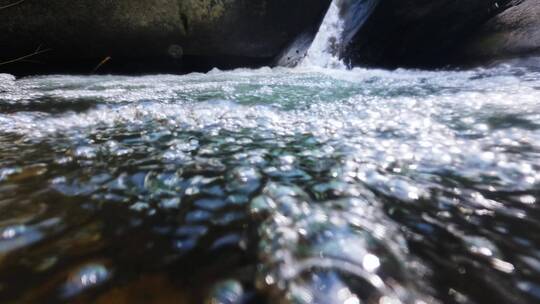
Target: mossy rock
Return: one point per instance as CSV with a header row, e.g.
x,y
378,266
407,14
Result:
x,y
82,33
513,33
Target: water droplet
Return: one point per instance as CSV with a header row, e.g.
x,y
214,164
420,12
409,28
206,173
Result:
x,y
527,199
85,277
172,203
85,152
226,292
18,236
371,262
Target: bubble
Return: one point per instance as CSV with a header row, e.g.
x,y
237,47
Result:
x,y
210,204
371,262
226,292
230,240
85,152
527,199
172,203
85,277
198,216
18,236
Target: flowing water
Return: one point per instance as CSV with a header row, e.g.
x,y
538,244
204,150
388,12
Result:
x,y
342,21
276,185
324,50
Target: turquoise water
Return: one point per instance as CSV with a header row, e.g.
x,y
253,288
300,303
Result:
x,y
272,185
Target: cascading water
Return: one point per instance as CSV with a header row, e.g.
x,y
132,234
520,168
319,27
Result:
x,y
342,21
324,49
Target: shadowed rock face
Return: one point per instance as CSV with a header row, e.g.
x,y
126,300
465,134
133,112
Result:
x,y
419,32
133,36
513,33
429,33
355,13
171,35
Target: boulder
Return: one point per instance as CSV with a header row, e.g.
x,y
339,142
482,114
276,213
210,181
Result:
x,y
150,35
419,33
513,33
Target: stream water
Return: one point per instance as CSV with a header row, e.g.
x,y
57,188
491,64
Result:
x,y
303,185
308,185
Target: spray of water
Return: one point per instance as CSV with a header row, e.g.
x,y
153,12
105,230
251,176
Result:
x,y
324,51
342,22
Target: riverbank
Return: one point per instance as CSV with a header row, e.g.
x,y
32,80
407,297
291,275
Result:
x,y
182,36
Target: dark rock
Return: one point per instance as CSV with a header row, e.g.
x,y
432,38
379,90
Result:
x,y
513,33
419,33
293,54
151,35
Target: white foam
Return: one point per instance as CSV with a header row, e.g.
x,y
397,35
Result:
x,y
324,49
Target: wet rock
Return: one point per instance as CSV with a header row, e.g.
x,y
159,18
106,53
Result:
x,y
156,35
513,33
419,32
147,289
293,54
15,237
26,173
226,292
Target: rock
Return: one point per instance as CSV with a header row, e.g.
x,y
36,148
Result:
x,y
418,33
293,54
196,35
513,33
151,35
148,289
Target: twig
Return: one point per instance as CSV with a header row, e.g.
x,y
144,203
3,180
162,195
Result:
x,y
100,64
36,52
12,4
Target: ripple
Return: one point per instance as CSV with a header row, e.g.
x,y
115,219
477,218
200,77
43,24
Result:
x,y
304,185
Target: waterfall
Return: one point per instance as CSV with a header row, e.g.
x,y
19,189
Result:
x,y
324,49
342,21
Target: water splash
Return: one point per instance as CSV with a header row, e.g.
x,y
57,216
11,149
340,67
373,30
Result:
x,y
342,21
324,51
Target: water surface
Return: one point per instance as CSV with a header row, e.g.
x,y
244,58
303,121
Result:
x,y
271,185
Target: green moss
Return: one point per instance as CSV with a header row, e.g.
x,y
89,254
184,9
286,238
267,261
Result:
x,y
489,45
204,10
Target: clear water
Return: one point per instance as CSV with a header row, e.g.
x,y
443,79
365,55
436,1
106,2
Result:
x,y
271,185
